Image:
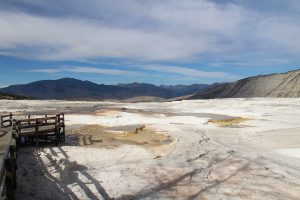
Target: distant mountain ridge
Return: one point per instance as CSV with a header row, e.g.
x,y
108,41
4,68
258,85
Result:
x,y
273,85
74,89
183,90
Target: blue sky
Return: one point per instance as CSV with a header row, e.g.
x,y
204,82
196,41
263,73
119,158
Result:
x,y
153,41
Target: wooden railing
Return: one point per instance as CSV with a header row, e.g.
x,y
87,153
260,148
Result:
x,y
6,120
33,130
26,131
8,180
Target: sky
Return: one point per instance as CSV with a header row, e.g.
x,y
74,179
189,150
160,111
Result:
x,y
153,41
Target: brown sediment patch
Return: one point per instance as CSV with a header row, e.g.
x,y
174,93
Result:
x,y
228,122
167,113
106,137
113,111
108,112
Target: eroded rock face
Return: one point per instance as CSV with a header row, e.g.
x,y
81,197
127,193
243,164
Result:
x,y
275,85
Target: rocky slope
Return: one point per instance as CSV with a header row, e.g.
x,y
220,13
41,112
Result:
x,y
274,85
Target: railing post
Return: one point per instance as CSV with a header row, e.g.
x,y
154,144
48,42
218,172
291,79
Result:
x,y
59,127
14,138
2,122
11,179
15,134
62,123
29,120
56,131
36,132
9,182
10,118
13,155
18,129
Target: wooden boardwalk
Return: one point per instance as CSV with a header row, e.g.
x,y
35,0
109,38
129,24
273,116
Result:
x,y
16,132
5,155
5,135
34,130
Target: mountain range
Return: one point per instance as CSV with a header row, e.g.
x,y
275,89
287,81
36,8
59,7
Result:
x,y
74,89
273,85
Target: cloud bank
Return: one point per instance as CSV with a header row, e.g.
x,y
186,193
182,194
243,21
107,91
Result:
x,y
182,72
156,30
85,70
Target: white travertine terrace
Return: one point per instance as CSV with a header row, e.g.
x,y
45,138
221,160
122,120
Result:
x,y
256,159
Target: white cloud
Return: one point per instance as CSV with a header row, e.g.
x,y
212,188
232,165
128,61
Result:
x,y
87,70
46,71
63,39
190,73
253,63
4,85
92,70
144,30
282,32
143,70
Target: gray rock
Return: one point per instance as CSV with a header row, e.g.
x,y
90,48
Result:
x,y
274,85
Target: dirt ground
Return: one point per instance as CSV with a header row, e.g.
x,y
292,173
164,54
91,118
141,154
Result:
x,y
104,137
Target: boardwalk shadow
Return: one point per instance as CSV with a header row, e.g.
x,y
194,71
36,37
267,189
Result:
x,y
54,177
33,179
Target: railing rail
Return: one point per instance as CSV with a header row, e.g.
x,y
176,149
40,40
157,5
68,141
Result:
x,y
6,120
33,129
8,181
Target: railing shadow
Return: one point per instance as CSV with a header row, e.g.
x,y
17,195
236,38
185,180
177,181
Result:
x,y
98,186
165,186
67,175
33,177
73,176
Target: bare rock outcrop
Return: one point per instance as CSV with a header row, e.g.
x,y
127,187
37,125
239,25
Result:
x,y
274,85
